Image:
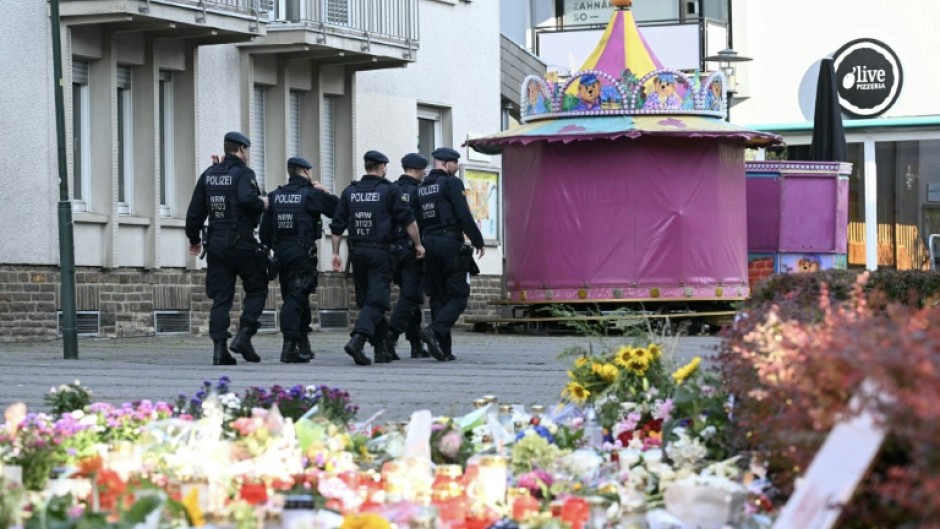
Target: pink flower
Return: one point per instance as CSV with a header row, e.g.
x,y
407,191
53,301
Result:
x,y
663,410
535,480
450,444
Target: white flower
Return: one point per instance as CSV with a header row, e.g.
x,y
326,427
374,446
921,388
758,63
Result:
x,y
77,414
550,425
686,452
77,382
708,432
635,444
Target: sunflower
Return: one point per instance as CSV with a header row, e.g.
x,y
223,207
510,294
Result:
x,y
623,356
687,370
606,372
576,392
580,361
637,365
656,350
645,354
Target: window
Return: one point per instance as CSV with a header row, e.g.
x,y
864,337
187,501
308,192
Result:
x,y
293,133
430,130
328,142
257,134
81,133
125,140
167,154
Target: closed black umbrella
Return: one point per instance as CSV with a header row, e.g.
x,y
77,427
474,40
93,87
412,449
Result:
x,y
828,134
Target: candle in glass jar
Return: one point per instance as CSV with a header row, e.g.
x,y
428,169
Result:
x,y
491,480
447,494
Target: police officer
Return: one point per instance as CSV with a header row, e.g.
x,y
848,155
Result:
x,y
407,270
370,209
444,218
292,226
228,195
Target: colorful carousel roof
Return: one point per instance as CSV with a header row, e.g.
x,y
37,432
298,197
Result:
x,y
613,127
622,91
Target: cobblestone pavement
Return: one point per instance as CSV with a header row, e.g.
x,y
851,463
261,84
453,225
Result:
x,y
520,369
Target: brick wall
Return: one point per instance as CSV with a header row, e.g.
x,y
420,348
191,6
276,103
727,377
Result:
x,y
126,299
759,268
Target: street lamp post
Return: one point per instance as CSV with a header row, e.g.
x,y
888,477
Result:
x,y
728,60
66,240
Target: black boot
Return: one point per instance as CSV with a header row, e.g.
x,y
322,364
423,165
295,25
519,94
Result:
x,y
242,345
380,354
354,349
303,347
290,354
434,347
418,350
220,356
390,349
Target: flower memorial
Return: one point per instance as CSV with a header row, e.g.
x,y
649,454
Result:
x,y
629,426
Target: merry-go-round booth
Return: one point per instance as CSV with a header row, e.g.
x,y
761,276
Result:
x,y
624,182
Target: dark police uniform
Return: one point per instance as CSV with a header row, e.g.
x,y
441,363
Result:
x,y
370,209
407,269
228,195
292,226
444,219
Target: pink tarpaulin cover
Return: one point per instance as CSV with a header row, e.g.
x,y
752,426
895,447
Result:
x,y
650,211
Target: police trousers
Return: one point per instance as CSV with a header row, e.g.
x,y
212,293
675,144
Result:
x,y
297,274
408,274
447,283
372,275
227,259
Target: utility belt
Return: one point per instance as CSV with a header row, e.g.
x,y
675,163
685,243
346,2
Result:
x,y
369,244
231,235
446,232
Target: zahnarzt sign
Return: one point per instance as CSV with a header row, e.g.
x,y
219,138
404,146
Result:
x,y
869,77
587,12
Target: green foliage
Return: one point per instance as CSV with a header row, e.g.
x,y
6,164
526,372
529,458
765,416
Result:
x,y
57,515
67,398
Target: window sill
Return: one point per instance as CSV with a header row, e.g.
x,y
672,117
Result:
x,y
89,218
134,221
172,223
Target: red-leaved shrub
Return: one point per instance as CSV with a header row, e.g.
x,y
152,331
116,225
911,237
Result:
x,y
793,369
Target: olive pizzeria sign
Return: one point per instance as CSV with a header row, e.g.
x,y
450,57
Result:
x,y
869,77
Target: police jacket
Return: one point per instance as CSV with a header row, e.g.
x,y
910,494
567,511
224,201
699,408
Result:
x,y
442,207
228,195
370,209
408,186
294,211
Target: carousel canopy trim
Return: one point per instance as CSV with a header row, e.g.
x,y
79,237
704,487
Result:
x,y
613,127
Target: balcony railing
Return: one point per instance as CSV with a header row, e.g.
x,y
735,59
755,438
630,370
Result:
x,y
387,19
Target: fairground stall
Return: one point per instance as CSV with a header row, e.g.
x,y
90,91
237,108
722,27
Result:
x,y
625,185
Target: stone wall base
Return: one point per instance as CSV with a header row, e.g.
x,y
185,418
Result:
x,y
124,300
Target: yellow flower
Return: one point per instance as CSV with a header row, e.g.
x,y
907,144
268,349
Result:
x,y
645,354
637,365
687,370
365,521
606,372
576,392
623,356
580,361
193,511
656,350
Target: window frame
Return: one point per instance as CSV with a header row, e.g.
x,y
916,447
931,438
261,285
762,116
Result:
x,y
124,135
166,125
81,108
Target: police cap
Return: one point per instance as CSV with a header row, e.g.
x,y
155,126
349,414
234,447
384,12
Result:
x,y
414,161
375,156
446,154
299,162
237,137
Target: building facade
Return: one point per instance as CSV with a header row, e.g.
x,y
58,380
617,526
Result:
x,y
891,117
887,77
150,89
